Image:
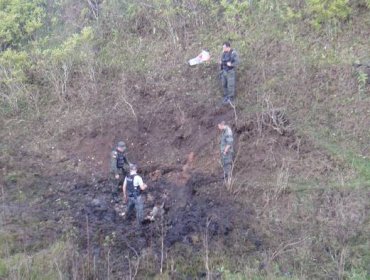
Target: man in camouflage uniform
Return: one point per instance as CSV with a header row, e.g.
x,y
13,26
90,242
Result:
x,y
363,68
118,163
229,60
227,149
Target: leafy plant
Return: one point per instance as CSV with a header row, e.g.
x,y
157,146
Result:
x,y
57,64
13,67
328,11
235,12
19,21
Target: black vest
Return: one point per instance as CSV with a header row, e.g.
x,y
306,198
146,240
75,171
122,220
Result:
x,y
121,159
133,191
227,57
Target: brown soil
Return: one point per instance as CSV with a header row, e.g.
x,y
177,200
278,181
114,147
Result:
x,y
176,147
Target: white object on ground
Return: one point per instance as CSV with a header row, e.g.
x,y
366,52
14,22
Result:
x,y
202,57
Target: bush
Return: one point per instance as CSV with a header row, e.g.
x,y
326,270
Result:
x,y
57,65
13,88
19,20
328,11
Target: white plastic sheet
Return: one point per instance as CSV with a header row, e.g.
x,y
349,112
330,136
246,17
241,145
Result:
x,y
202,57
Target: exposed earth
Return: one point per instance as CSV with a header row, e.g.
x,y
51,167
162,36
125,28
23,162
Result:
x,y
176,149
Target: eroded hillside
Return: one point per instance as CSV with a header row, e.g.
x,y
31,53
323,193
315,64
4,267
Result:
x,y
298,204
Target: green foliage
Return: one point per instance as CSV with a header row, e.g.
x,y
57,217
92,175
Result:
x,y
362,166
46,264
289,14
56,64
3,269
19,24
68,49
347,157
358,274
235,12
13,65
328,11
13,68
362,79
19,20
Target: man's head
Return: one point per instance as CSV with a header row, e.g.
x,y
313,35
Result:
x,y
226,46
121,146
221,125
133,167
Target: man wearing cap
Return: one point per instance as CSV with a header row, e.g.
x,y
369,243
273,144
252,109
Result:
x,y
228,62
133,186
227,149
118,162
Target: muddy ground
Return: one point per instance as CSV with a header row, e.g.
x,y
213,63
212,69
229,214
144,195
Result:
x,y
176,148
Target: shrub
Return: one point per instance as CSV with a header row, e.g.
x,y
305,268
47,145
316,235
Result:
x,y
19,21
57,64
328,11
13,67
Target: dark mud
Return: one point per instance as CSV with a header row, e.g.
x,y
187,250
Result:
x,y
190,210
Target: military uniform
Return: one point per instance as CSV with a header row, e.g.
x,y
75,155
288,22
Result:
x,y
363,67
227,159
119,163
228,73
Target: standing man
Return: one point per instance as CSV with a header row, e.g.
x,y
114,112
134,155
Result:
x,y
227,149
229,61
118,162
133,186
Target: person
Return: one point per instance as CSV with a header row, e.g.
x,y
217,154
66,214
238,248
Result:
x,y
119,162
227,149
363,68
229,60
133,186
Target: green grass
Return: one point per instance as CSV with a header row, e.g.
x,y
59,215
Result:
x,y
47,264
351,160
344,156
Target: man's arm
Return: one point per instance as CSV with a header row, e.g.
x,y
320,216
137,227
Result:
x,y
226,149
113,163
234,59
141,184
124,190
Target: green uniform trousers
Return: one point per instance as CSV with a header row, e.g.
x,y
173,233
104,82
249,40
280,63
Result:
x,y
227,164
228,83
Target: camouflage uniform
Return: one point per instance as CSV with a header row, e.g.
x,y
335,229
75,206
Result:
x,y
118,163
227,160
228,73
363,67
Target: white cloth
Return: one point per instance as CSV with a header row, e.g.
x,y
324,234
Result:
x,y
202,57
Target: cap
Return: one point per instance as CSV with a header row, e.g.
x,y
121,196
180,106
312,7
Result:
x,y
121,144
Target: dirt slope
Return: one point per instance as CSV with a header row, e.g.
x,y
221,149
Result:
x,y
174,139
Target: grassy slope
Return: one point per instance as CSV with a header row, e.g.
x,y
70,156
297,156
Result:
x,y
287,66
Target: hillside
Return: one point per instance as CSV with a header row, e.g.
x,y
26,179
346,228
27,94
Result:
x,y
76,77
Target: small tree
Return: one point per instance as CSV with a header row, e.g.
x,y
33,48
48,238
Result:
x,y
19,21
